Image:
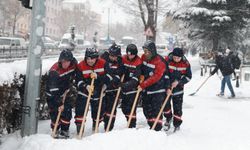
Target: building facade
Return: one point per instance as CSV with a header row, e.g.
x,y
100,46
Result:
x,y
56,23
52,12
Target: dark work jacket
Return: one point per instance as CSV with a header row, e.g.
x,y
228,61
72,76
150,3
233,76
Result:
x,y
224,64
114,71
83,78
132,71
155,73
58,81
180,72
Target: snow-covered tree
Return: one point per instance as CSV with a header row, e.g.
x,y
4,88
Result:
x,y
213,23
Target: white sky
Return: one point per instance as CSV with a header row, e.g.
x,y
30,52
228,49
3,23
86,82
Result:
x,y
101,7
116,13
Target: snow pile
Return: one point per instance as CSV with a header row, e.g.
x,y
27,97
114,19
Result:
x,y
8,70
217,1
222,18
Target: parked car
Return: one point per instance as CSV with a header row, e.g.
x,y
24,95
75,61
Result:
x,y
66,39
87,44
11,42
126,40
162,49
49,43
105,43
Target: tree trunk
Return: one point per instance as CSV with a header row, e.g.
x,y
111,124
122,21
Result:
x,y
151,19
215,43
14,25
3,28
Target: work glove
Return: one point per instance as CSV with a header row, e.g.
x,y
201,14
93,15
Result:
x,y
139,88
116,82
174,84
89,88
93,75
169,92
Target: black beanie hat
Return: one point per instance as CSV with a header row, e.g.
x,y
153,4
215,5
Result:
x,y
132,49
150,45
66,55
178,52
115,50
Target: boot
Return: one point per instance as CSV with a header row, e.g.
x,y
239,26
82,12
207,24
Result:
x,y
220,94
93,127
57,133
64,134
231,97
78,127
167,126
176,129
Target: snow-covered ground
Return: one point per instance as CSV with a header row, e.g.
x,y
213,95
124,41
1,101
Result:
x,y
8,70
209,123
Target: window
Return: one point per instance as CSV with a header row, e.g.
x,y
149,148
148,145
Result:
x,y
5,41
65,41
79,42
17,43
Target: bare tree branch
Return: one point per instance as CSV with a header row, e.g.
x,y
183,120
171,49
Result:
x,y
130,7
142,13
156,12
149,11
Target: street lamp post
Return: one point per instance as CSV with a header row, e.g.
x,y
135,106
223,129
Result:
x,y
108,38
33,72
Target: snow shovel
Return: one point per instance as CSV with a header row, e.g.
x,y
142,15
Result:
x,y
133,107
59,114
192,94
114,105
99,110
237,82
86,109
161,110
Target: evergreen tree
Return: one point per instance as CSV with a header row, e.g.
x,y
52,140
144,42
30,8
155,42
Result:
x,y
214,23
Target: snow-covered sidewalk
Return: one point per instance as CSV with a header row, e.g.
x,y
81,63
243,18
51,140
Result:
x,y
209,123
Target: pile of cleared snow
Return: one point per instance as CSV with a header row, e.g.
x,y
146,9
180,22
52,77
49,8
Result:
x,y
8,70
